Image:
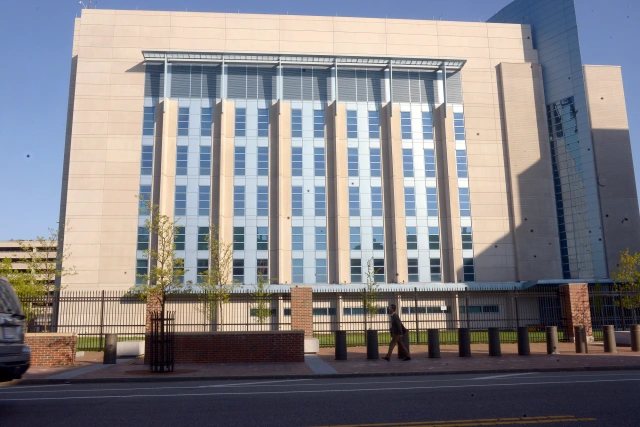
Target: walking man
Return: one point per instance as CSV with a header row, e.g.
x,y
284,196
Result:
x,y
396,335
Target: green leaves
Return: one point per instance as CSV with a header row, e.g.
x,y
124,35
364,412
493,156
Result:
x,y
627,279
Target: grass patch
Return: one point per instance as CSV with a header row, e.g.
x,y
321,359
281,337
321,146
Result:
x,y
447,337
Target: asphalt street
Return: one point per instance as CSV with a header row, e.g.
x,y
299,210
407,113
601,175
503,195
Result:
x,y
555,399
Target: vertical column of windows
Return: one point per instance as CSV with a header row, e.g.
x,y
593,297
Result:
x,y
182,160
405,125
355,242
318,123
204,200
203,236
354,201
376,201
410,202
297,270
320,201
239,161
238,271
183,121
202,267
356,270
263,201
296,123
466,230
143,239
321,270
378,238
148,121
238,238
144,198
427,125
296,161
241,122
262,238
263,122
206,121
263,267
375,162
413,270
319,162
352,161
352,124
407,162
297,203
238,200
146,162
180,208
179,239
263,161
429,163
297,238
374,125
321,238
205,160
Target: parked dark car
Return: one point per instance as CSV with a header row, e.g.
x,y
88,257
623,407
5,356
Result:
x,y
15,357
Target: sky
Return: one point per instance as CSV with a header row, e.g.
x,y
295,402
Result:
x,y
35,47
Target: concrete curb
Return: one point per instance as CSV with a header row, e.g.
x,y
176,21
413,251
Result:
x,y
166,377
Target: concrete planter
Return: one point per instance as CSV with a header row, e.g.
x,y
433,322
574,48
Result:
x,y
311,345
623,338
130,348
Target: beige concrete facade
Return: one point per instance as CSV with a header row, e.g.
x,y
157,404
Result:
x,y
614,163
509,171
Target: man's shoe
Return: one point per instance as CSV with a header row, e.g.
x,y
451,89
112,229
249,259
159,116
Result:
x,y
406,359
387,359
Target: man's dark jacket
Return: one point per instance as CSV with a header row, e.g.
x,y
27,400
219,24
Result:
x,y
396,325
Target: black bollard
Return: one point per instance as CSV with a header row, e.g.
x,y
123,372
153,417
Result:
x,y
494,342
609,337
372,344
405,340
434,343
635,338
552,340
464,342
341,345
523,341
580,339
110,349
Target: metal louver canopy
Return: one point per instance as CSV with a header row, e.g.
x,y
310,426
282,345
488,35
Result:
x,y
451,65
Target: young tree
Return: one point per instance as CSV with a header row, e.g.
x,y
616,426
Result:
x,y
216,283
627,281
371,293
262,299
166,272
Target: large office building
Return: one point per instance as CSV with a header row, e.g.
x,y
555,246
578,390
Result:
x,y
441,152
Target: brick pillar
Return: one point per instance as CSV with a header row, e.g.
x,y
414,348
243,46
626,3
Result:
x,y
576,309
302,310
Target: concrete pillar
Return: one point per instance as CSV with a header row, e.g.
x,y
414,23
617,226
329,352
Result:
x,y
576,309
283,199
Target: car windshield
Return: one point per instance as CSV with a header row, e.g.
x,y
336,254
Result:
x,y
8,301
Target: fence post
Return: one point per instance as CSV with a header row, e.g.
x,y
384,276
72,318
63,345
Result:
x,y
102,337
466,302
417,321
624,326
364,309
515,298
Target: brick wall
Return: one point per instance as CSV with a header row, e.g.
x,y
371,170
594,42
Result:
x,y
52,349
237,347
576,309
302,310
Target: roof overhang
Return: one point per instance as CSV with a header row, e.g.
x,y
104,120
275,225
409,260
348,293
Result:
x,y
451,65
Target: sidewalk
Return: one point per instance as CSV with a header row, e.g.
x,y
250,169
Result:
x,y
89,368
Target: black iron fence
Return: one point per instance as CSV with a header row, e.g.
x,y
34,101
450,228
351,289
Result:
x,y
93,314
613,307
443,310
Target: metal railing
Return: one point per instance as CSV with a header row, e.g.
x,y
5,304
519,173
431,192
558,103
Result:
x,y
443,310
609,306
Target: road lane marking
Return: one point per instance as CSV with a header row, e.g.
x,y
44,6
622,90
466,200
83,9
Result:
x,y
503,376
261,383
249,393
478,422
309,382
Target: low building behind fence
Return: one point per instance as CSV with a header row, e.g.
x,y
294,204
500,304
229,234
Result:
x,y
92,314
